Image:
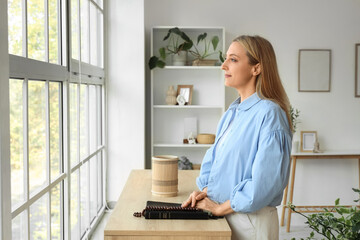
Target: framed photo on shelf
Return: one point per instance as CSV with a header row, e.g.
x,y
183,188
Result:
x,y
186,92
308,139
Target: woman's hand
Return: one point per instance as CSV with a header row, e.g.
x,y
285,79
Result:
x,y
194,197
209,205
215,208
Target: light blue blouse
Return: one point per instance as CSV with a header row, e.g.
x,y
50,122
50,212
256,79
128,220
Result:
x,y
250,167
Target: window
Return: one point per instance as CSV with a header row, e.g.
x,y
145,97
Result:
x,y
56,117
34,32
35,153
86,156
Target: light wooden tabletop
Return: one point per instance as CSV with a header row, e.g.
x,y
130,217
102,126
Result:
x,y
133,199
329,153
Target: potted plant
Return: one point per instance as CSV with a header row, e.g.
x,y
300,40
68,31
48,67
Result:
x,y
294,115
178,46
345,224
206,51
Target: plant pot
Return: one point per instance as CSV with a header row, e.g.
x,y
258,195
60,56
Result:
x,y
179,59
204,62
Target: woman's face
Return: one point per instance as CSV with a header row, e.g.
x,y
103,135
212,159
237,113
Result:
x,y
238,72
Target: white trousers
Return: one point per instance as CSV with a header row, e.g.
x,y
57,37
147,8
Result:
x,y
260,225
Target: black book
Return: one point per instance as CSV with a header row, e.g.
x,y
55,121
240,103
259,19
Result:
x,y
165,210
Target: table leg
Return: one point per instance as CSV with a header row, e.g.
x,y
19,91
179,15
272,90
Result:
x,y
291,193
284,201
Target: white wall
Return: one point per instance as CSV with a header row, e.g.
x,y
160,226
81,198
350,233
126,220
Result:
x,y
125,92
290,26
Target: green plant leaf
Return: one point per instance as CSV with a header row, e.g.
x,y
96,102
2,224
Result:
x,y
174,30
185,46
167,35
337,202
201,37
153,62
221,56
185,37
162,53
215,41
160,64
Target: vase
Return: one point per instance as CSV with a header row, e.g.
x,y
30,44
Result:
x,y
295,146
179,59
170,96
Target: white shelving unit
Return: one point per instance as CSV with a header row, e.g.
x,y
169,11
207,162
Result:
x,y
208,98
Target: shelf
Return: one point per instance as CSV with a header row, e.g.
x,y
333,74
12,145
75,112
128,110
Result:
x,y
182,145
187,107
193,67
208,98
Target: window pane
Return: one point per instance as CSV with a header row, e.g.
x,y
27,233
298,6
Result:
x,y
84,4
36,29
39,219
84,150
15,27
55,156
84,198
99,115
92,118
55,213
73,103
18,226
74,206
93,35
93,187
16,141
99,181
37,134
53,32
75,29
100,17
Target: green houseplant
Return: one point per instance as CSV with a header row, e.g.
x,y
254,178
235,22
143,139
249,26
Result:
x,y
178,45
336,223
201,55
294,115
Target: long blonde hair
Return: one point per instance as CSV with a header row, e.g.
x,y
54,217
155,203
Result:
x,y
268,82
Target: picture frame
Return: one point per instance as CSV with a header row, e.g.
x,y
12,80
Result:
x,y
186,91
308,139
314,70
357,70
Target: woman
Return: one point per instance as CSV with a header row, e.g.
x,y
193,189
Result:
x,y
244,173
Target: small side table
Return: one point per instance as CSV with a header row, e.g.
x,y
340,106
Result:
x,y
305,155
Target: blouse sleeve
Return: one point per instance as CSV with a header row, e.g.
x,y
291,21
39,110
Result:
x,y
270,173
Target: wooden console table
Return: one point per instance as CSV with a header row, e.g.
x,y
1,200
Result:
x,y
123,225
295,157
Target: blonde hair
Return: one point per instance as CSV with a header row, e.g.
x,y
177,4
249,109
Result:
x,y
268,82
